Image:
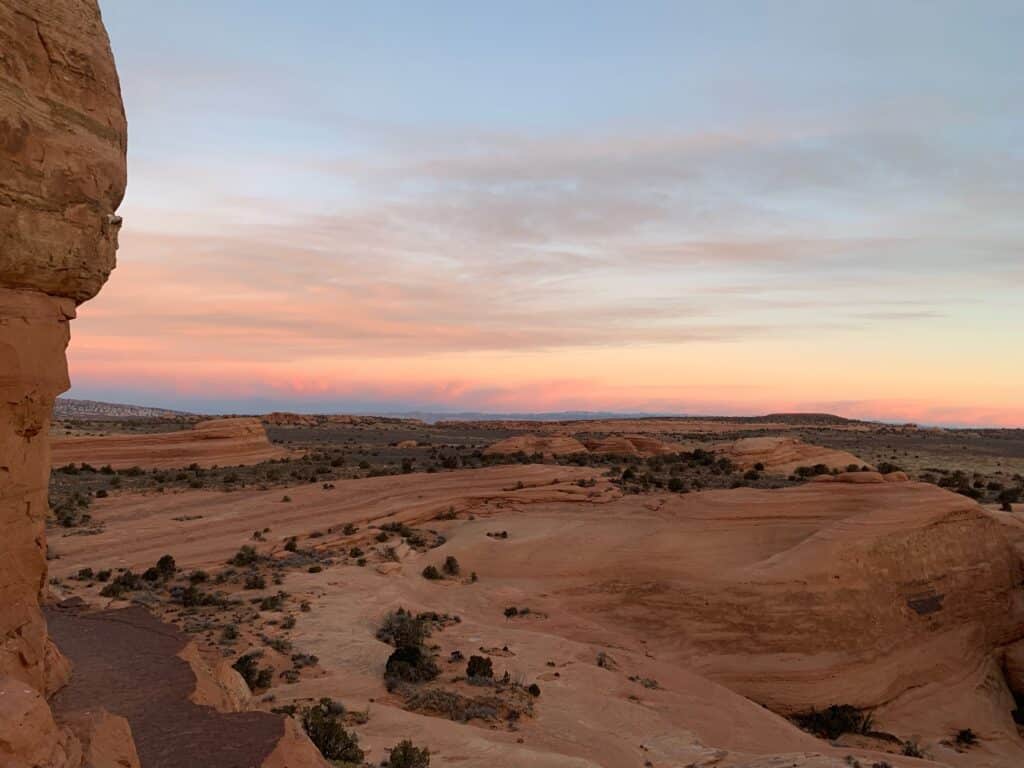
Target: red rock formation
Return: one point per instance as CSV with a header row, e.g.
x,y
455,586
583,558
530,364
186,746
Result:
x,y
217,441
783,454
547,445
631,445
62,175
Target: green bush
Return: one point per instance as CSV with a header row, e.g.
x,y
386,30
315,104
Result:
x,y
244,556
247,666
410,664
431,572
479,667
321,724
405,755
833,722
402,628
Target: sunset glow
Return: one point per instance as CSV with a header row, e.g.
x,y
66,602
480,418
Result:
x,y
726,209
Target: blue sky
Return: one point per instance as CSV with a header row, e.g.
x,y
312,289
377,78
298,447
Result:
x,y
491,206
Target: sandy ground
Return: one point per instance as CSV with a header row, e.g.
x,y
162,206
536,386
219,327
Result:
x,y
893,596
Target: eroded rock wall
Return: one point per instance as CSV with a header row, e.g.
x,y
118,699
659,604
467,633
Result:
x,y
62,176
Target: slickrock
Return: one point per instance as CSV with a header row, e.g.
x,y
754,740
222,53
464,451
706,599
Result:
x,y
217,441
783,454
631,445
547,445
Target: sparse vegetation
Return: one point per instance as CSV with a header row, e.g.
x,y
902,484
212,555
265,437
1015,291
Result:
x,y
479,667
405,755
255,677
834,721
322,723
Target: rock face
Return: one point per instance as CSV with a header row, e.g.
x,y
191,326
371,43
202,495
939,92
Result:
x,y
783,454
62,175
547,445
217,441
62,148
631,445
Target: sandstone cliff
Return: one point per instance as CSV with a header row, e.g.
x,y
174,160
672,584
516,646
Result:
x,y
62,175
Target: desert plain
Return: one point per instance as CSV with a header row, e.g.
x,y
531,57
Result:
x,y
796,590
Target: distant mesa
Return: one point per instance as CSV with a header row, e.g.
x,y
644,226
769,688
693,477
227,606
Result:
x,y
65,408
229,441
283,419
783,454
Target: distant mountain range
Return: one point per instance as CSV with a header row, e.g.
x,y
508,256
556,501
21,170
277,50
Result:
x,y
70,408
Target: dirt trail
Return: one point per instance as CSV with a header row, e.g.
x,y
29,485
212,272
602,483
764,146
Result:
x,y
125,660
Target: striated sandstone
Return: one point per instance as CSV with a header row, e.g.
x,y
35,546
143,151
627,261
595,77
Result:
x,y
783,454
216,441
547,445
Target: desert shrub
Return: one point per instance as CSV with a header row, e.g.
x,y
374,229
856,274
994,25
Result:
x,y
166,567
410,664
125,582
247,666
103,575
405,755
325,730
833,722
244,556
451,566
355,552
255,581
273,602
912,749
965,737
402,628
349,529
676,485
291,544
479,667
431,572
534,690
1007,498
198,576
817,469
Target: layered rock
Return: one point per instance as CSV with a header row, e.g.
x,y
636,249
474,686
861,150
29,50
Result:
x,y
62,175
783,454
631,445
217,441
546,445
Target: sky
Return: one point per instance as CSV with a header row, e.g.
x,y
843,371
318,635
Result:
x,y
678,207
